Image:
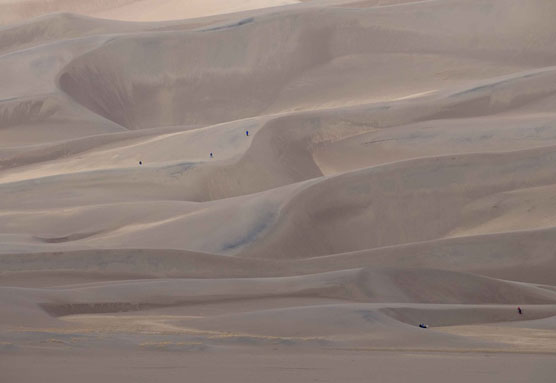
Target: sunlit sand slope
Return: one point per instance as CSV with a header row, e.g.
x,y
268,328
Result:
x,y
316,176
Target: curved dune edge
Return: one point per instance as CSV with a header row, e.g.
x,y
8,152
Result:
x,y
399,169
132,10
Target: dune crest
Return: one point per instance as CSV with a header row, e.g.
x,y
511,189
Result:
x,y
302,183
130,10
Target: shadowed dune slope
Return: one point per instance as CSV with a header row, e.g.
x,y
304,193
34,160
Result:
x,y
325,174
118,82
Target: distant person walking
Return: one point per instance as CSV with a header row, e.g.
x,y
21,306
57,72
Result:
x,y
211,155
519,310
140,162
247,133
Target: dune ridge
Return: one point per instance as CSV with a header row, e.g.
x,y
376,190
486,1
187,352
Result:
x,y
315,176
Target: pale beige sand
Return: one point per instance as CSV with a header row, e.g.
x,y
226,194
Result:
x,y
399,169
130,10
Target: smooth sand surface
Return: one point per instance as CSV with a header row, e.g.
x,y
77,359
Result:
x,y
131,10
399,169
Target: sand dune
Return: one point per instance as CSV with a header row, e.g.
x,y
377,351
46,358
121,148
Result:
x,y
399,169
132,10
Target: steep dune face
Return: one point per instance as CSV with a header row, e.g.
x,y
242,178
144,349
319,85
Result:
x,y
145,81
329,174
359,210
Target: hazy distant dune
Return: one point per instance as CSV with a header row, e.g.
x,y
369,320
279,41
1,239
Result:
x,y
130,10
